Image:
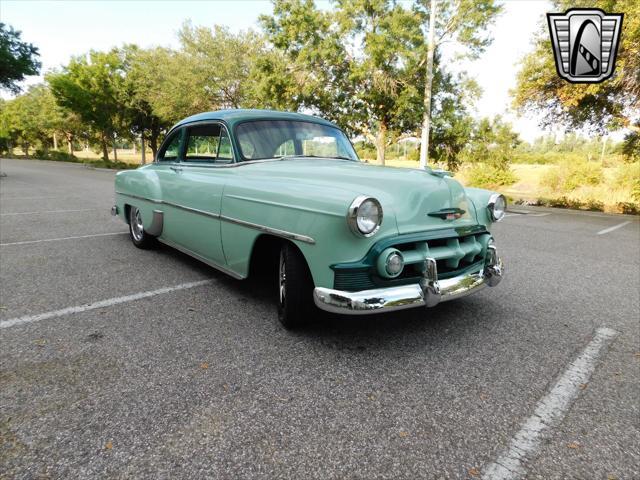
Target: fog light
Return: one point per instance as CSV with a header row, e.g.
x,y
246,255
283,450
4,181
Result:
x,y
390,263
395,264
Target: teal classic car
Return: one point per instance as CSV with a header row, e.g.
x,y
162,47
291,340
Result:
x,y
252,191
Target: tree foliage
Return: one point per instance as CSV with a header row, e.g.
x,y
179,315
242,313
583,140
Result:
x,y
17,59
91,86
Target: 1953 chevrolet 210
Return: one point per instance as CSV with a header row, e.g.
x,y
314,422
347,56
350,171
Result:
x,y
238,189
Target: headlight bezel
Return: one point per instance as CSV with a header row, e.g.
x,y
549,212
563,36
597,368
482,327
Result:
x,y
352,215
491,206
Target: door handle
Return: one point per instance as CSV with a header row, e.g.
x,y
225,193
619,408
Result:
x,y
176,169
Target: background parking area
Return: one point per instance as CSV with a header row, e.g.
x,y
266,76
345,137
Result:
x,y
195,378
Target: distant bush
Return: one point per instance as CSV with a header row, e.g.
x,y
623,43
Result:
x,y
62,156
55,155
628,176
570,175
414,155
489,176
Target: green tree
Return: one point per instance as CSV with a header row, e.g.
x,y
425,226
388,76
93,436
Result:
x,y
492,142
211,70
24,122
136,95
17,59
358,65
452,125
609,105
465,22
91,87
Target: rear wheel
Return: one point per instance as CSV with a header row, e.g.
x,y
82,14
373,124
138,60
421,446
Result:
x,y
139,237
295,288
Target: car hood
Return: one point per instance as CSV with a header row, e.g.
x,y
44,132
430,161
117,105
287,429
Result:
x,y
407,195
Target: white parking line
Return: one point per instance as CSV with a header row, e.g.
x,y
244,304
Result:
x,y
47,211
102,303
549,411
615,227
527,214
27,242
30,198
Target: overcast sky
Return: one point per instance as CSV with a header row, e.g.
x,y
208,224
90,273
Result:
x,y
61,29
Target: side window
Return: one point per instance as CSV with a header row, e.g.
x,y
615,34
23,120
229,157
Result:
x,y
208,143
225,152
287,148
171,150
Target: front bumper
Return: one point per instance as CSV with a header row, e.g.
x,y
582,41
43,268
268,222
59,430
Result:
x,y
428,292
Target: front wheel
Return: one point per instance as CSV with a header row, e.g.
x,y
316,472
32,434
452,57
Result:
x,y
295,288
139,237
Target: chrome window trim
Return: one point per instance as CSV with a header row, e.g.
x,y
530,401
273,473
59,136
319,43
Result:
x,y
183,127
255,226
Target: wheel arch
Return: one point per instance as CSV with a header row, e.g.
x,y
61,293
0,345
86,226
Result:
x,y
265,252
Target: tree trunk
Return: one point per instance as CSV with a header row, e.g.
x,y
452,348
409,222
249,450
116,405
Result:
x,y
381,142
142,149
153,142
25,147
426,117
70,143
55,141
115,149
105,150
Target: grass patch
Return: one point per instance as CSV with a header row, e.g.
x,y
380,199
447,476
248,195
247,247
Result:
x,y
56,156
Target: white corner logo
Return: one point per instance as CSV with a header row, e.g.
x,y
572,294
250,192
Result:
x,y
585,43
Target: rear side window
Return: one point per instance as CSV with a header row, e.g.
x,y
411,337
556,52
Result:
x,y
171,149
208,143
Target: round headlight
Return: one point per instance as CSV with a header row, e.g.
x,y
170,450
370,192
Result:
x,y
365,216
497,207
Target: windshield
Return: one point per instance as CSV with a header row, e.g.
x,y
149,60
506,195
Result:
x,y
284,138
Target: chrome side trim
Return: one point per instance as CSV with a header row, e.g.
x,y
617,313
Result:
x,y
156,224
153,200
262,228
279,204
273,231
193,254
193,210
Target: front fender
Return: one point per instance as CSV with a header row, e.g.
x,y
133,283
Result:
x,y
480,199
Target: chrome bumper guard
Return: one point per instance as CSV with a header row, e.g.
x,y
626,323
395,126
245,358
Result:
x,y
428,292
114,210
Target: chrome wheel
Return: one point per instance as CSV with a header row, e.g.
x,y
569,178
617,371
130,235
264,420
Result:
x,y
137,229
282,279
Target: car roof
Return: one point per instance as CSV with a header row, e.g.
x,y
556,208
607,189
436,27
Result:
x,y
234,116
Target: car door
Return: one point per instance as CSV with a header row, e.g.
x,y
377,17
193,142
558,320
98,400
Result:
x,y
166,168
195,193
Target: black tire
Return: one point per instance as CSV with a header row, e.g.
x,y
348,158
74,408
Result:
x,y
295,288
139,237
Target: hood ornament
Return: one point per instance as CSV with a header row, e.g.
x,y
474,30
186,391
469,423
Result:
x,y
448,213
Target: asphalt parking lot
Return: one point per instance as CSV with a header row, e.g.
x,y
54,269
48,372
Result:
x,y
537,378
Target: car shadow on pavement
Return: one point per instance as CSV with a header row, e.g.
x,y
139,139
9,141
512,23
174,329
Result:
x,y
465,318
